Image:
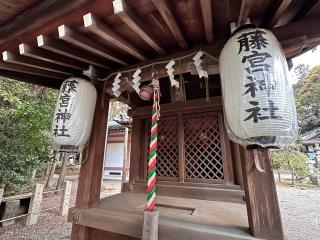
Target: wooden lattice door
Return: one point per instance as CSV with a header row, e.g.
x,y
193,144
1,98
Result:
x,y
203,150
168,155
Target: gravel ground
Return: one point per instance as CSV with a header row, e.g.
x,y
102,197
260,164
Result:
x,y
50,225
299,208
300,211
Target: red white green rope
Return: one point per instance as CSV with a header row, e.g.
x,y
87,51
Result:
x,y
152,159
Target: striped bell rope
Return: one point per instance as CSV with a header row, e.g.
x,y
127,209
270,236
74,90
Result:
x,y
152,159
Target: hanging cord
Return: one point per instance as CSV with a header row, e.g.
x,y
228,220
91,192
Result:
x,y
159,63
152,159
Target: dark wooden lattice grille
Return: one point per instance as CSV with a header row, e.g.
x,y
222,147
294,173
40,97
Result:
x,y
167,161
203,156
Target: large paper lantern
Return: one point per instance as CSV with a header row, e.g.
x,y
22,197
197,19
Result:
x,y
73,116
258,97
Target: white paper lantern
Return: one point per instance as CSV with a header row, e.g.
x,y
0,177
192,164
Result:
x,y
73,116
258,97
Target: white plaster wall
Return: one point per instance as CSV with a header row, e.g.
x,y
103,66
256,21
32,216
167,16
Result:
x,y
114,156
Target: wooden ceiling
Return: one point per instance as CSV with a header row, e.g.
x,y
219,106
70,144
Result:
x,y
9,9
46,41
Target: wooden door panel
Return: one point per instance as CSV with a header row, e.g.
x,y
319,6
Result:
x,y
203,150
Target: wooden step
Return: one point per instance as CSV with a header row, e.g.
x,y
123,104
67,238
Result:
x,y
123,214
194,192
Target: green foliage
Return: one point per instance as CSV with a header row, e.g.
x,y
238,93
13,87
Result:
x,y
25,122
291,159
307,92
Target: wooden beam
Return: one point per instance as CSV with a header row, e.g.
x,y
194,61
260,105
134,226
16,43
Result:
x,y
206,9
313,40
187,67
88,193
82,41
165,11
35,63
261,196
244,11
294,46
135,156
279,13
236,158
47,11
30,70
97,27
33,79
69,51
228,169
123,11
197,105
308,27
314,11
44,55
214,49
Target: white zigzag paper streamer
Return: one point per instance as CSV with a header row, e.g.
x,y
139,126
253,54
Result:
x,y
136,80
197,62
116,85
170,71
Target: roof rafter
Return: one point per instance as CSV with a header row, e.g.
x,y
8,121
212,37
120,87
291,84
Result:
x,y
297,29
35,63
46,10
33,79
30,70
244,11
294,46
44,55
314,11
279,13
123,11
82,41
97,27
69,51
206,9
165,11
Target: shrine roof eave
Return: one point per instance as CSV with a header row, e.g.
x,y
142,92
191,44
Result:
x,y
44,42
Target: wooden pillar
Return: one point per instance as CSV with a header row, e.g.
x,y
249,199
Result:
x,y
89,185
125,157
236,158
136,145
261,197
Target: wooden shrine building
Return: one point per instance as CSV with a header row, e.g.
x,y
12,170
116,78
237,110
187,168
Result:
x,y
208,187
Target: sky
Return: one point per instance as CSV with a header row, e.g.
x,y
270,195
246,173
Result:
x,y
310,58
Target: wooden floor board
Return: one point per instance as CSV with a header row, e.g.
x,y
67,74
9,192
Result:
x,y
188,218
